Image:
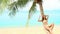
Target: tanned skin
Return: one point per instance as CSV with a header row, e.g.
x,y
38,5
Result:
x,y
44,18
45,24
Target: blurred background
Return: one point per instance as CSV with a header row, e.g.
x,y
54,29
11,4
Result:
x,y
51,8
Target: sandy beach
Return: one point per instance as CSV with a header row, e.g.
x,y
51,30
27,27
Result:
x,y
29,30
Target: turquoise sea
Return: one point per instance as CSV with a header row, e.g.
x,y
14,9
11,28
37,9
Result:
x,y
20,19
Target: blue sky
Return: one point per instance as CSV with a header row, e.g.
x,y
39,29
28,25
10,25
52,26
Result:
x,y
21,17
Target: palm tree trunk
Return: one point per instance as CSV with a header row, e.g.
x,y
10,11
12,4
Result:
x,y
41,9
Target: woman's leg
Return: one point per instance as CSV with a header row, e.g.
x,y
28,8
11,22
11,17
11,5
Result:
x,y
51,26
48,29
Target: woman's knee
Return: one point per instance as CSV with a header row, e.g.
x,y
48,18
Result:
x,y
52,24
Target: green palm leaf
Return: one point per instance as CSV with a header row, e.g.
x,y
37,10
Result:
x,y
3,4
14,6
32,10
22,3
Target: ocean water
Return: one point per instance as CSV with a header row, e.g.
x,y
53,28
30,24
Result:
x,y
20,19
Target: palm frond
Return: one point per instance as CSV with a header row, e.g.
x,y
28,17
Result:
x,y
32,10
13,8
0,1
3,4
22,3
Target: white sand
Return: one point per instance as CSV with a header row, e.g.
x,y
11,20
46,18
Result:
x,y
29,30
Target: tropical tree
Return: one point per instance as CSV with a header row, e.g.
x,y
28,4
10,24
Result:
x,y
21,3
3,4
